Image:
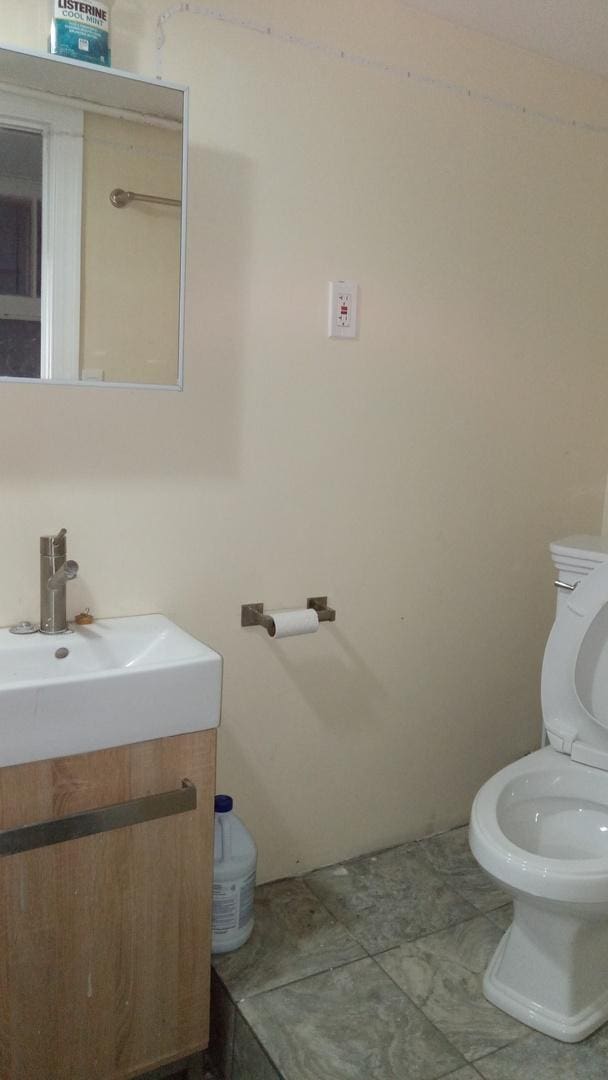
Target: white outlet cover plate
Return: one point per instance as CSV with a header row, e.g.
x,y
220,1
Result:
x,y
343,309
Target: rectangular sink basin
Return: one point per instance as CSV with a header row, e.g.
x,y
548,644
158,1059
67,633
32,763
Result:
x,y
115,682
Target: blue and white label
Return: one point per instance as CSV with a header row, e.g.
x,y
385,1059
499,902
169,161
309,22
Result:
x,y
232,905
81,31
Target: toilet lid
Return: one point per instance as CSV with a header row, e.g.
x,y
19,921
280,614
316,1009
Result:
x,y
574,685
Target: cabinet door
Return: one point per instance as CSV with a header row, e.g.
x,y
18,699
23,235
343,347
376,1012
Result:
x,y
105,940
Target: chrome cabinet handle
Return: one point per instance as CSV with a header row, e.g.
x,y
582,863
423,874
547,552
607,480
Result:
x,y
101,819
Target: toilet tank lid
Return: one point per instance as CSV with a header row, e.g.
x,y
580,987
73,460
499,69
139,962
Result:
x,y
593,548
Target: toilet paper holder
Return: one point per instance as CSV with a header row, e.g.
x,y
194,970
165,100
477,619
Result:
x,y
253,614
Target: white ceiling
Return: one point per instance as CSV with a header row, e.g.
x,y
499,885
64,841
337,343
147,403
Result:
x,y
573,31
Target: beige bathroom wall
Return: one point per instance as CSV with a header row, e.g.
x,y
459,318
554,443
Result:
x,y
129,325
416,475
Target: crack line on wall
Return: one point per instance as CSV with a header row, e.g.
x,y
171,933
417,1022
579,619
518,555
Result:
x,y
396,71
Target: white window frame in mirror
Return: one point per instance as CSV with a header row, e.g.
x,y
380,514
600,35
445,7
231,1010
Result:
x,y
62,130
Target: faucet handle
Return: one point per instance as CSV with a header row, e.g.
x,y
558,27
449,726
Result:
x,y
54,545
67,572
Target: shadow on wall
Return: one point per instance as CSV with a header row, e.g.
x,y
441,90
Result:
x,y
267,809
346,701
159,433
340,688
217,307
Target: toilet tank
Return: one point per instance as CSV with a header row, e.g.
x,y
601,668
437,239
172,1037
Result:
x,y
574,557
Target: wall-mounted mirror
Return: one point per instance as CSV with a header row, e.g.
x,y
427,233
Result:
x,y
92,224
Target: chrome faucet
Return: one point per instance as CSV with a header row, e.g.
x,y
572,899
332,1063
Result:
x,y
55,571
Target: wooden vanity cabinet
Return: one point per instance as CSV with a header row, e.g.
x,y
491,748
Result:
x,y
105,940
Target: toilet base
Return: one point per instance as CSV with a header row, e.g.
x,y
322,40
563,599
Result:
x,y
549,971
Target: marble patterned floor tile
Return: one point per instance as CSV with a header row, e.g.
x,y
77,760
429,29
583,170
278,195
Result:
x,y
294,936
451,855
250,1060
352,1023
443,973
389,898
502,916
540,1058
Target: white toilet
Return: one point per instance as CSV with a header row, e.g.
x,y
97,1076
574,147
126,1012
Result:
x,y
540,826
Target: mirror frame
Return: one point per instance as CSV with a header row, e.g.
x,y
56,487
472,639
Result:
x,y
111,73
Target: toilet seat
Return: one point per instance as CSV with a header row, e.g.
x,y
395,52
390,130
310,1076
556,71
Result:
x,y
572,726
540,775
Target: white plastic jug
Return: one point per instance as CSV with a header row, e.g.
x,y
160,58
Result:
x,y
234,864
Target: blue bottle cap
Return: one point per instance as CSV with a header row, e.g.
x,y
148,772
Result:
x,y
223,804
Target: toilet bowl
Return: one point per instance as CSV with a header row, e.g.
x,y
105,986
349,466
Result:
x,y
539,827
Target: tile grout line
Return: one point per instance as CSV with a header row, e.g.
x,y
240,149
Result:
x,y
447,879
428,934
258,1041
321,971
301,978
422,1013
528,1032
345,963
474,910
335,967
335,918
444,1076
470,1063
475,913
450,877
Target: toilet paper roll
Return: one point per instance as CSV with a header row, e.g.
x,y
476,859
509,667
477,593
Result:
x,y
290,623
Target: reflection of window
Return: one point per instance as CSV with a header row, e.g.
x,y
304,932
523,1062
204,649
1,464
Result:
x,y
19,244
20,252
40,214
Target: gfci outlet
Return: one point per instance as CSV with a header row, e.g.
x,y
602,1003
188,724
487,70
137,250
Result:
x,y
342,309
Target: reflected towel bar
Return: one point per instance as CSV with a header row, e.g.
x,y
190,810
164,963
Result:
x,y
120,199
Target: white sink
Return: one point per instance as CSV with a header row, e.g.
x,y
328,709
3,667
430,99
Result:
x,y
122,681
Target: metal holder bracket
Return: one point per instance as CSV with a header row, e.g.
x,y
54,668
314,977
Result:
x,y
319,603
254,615
101,819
